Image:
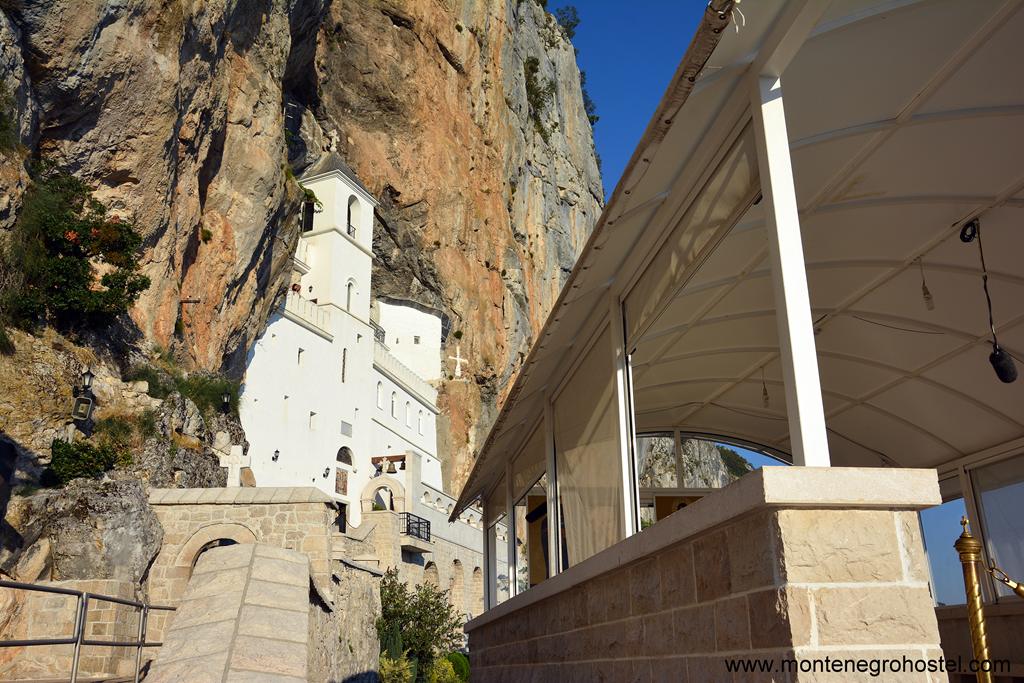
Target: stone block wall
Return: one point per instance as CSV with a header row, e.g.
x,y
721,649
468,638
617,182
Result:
x,y
299,519
50,615
737,578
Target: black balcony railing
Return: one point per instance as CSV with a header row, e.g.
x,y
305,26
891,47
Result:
x,y
415,526
351,230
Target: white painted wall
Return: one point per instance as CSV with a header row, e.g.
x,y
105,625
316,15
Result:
x,y
405,324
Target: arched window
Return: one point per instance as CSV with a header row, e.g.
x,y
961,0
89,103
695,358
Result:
x,y
345,456
419,422
394,404
349,289
353,215
430,575
456,592
408,414
380,395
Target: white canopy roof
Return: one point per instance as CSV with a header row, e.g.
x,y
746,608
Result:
x,y
906,120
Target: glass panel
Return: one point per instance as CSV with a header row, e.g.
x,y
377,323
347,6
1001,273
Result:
x,y
588,456
530,464
656,461
1000,488
708,465
531,561
494,505
941,527
497,534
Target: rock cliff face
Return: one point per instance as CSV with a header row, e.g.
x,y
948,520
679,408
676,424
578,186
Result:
x,y
190,118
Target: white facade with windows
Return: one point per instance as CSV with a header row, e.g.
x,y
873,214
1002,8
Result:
x,y
321,395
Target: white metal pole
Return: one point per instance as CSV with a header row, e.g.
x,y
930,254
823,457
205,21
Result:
x,y
554,514
510,521
808,438
624,412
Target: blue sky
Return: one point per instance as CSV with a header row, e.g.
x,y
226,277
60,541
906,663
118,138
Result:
x,y
629,51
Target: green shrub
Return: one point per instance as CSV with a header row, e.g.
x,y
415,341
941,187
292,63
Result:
x,y
460,663
538,95
568,18
426,619
79,459
206,235
441,671
59,236
399,670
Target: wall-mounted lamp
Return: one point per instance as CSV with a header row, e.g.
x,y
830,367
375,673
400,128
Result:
x,y
327,471
87,377
275,456
225,402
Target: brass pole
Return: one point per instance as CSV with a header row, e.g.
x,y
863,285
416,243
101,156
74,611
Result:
x,y
969,549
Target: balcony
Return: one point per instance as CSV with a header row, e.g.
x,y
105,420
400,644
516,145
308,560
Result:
x,y
415,533
308,314
379,334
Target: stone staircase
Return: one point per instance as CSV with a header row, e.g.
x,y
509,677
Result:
x,y
244,617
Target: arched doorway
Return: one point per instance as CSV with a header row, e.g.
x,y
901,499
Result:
x,y
430,575
477,601
457,593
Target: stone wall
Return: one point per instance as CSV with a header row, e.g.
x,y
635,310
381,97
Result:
x,y
298,519
49,615
784,564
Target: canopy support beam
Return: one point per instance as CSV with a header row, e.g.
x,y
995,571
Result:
x,y
490,548
804,406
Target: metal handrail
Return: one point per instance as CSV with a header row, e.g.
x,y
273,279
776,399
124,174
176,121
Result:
x,y
78,639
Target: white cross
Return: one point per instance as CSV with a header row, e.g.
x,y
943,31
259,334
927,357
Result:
x,y
459,360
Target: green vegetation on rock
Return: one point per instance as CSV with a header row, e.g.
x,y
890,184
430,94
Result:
x,y
79,459
538,96
8,125
59,247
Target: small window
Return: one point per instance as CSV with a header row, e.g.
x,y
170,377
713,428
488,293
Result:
x,y
415,339
380,395
308,209
419,422
349,289
298,356
344,363
312,420
346,428
353,215
394,404
408,414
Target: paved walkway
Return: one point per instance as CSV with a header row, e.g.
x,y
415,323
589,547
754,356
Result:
x,y
244,618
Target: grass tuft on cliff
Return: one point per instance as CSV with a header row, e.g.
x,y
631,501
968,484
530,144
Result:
x,y
206,391
8,125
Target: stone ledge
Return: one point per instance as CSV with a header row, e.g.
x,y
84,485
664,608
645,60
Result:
x,y
234,496
850,488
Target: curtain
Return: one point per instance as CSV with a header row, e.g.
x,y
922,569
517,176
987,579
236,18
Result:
x,y
587,455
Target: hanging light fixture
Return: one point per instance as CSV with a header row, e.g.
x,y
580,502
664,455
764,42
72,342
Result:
x,y
1001,361
929,302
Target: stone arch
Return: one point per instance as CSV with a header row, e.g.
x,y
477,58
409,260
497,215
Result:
x,y
477,591
208,536
353,215
457,590
394,489
430,575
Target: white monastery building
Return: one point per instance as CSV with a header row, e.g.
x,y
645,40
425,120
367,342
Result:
x,y
337,380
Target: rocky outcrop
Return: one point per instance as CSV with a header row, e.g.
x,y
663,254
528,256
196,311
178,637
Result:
x,y
707,465
90,530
